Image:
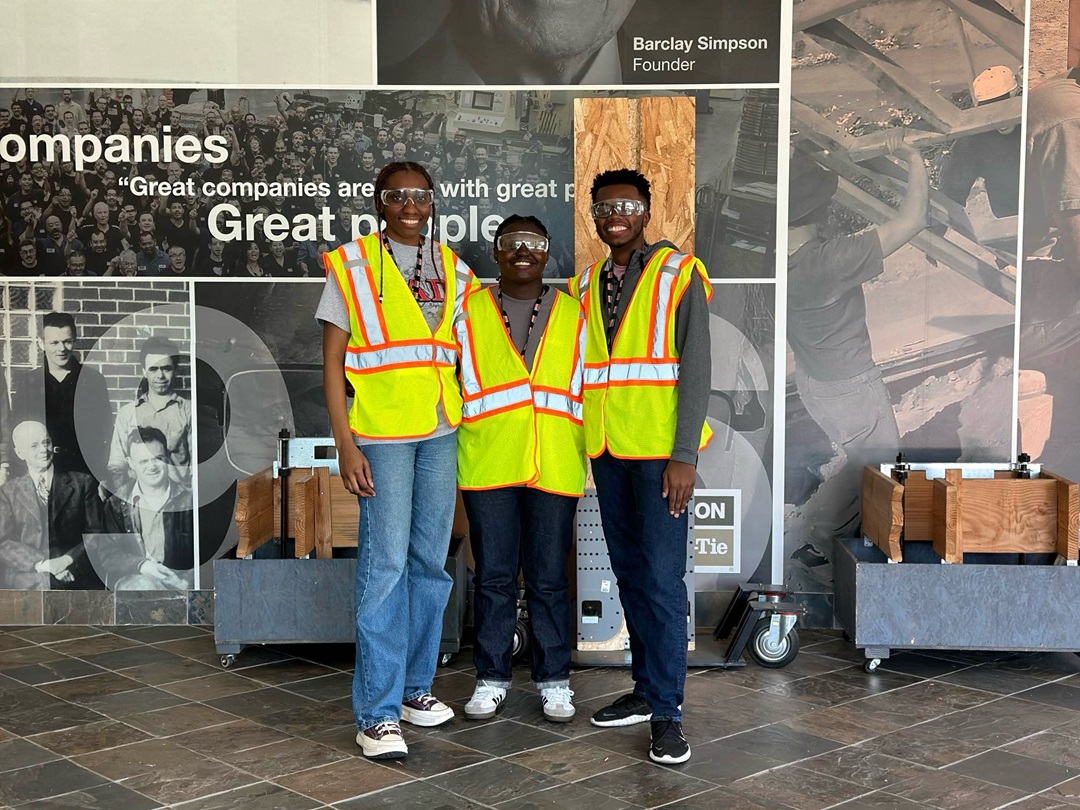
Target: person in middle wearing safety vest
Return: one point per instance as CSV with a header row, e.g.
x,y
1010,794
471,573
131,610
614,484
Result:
x,y
521,464
647,382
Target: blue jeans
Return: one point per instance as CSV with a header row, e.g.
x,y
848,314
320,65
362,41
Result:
x,y
512,528
648,548
401,581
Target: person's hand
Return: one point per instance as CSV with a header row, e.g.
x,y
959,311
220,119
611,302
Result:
x,y
678,486
152,568
5,473
896,145
355,471
66,576
94,194
56,566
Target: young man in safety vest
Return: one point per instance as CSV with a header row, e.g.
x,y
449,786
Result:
x,y
521,465
647,383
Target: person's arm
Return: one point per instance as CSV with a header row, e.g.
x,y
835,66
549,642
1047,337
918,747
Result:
x,y
695,384
911,218
353,465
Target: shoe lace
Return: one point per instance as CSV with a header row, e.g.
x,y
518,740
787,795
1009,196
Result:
x,y
484,692
558,694
427,700
387,727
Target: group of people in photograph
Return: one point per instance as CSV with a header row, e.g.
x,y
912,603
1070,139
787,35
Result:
x,y
88,501
59,221
503,392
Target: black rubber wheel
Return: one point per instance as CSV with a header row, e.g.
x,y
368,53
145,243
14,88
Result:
x,y
521,641
768,655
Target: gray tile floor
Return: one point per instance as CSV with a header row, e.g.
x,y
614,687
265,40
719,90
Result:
x,y
144,717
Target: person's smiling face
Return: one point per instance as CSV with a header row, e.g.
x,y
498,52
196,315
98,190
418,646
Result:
x,y
553,29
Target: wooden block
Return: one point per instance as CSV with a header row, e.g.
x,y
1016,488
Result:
x,y
303,494
882,512
255,511
324,548
946,521
1009,516
1068,514
918,506
344,515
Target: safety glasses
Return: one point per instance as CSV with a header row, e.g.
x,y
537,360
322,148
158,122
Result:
x,y
399,196
624,208
533,242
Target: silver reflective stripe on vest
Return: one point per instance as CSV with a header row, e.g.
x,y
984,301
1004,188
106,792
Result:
x,y
470,380
644,372
560,403
669,274
596,376
576,373
392,355
518,395
445,356
462,276
356,266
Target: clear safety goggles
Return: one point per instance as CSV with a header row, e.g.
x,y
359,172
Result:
x,y
399,196
533,242
624,208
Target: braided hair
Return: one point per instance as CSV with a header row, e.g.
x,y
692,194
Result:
x,y
388,171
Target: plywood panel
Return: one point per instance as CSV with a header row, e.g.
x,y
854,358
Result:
x,y
324,548
344,515
882,512
254,511
653,135
303,494
1009,515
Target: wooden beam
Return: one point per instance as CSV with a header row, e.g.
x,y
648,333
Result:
x,y
938,111
918,506
965,51
1009,515
947,521
324,545
1068,514
883,512
995,22
303,494
255,511
936,247
812,12
819,129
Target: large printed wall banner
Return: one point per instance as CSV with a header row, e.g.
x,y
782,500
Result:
x,y
900,336
553,42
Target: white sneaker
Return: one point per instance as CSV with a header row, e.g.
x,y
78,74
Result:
x,y
485,701
426,710
383,741
558,704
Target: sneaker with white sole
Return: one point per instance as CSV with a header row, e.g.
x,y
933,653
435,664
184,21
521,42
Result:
x,y
383,741
669,745
627,710
426,710
485,701
558,703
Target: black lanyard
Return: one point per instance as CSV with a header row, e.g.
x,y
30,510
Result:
x,y
418,276
532,320
612,294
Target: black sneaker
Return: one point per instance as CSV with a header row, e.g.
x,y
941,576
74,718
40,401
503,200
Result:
x,y
669,746
626,711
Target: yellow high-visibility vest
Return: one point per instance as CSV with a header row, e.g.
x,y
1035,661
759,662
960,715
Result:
x,y
400,371
521,428
631,393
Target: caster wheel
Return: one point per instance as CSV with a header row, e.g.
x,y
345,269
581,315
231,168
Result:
x,y
768,654
445,659
871,664
521,641
228,660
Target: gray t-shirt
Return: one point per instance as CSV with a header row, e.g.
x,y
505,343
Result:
x,y
519,313
432,297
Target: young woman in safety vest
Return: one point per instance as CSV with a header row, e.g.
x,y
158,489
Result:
x,y
388,311
521,464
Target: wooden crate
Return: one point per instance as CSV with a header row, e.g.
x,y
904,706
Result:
x,y
1000,515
